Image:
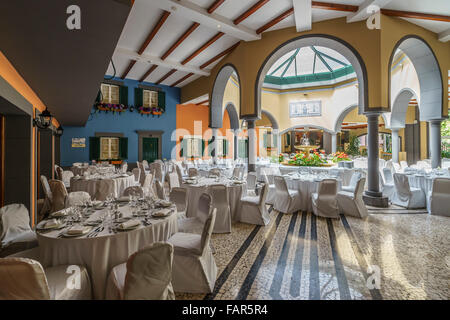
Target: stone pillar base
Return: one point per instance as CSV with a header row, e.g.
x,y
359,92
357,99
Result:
x,y
379,202
252,168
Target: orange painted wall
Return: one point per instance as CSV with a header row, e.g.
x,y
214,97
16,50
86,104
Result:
x,y
10,74
194,119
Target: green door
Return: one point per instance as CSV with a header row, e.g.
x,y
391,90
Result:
x,y
150,149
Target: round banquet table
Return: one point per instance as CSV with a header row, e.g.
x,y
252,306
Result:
x,y
100,188
307,186
194,191
424,182
80,170
108,249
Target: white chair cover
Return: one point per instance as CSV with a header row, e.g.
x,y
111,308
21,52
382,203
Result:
x,y
134,191
124,167
214,172
251,183
160,190
192,172
179,197
147,275
388,189
324,202
439,197
137,174
352,204
147,186
405,196
77,198
196,224
403,164
25,279
271,194
48,197
173,181
142,175
397,167
15,225
179,174
59,195
220,201
253,210
194,268
286,201
145,164
388,178
352,185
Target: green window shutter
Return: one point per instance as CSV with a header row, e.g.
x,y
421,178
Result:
x,y
200,146
288,139
203,147
181,147
162,100
99,97
123,95
225,147
210,147
275,140
123,148
138,97
246,148
94,148
265,140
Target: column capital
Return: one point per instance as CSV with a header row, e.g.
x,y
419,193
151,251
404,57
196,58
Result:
x,y
436,121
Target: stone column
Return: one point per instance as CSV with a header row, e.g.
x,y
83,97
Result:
x,y
214,144
373,196
435,143
235,143
333,142
395,145
252,140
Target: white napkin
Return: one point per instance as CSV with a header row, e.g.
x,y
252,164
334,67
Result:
x,y
129,224
161,213
60,213
165,203
51,223
124,199
78,230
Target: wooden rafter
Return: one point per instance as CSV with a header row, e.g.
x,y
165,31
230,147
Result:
x,y
203,47
250,11
202,102
164,77
215,5
181,79
415,15
275,20
183,37
220,55
146,74
127,70
154,31
333,6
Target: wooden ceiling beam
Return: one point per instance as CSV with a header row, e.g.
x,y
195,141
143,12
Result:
x,y
415,15
181,79
275,20
127,70
146,74
220,55
203,47
250,11
215,5
154,31
333,6
164,77
183,37
202,102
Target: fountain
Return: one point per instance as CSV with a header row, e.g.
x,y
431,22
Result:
x,y
304,145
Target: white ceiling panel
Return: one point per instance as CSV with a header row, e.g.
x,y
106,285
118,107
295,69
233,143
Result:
x,y
266,13
217,47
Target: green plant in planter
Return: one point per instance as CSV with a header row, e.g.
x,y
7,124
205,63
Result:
x,y
353,146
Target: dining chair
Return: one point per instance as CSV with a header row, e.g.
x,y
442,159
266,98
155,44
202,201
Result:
x,y
352,204
194,250
237,172
63,175
271,194
59,195
354,179
134,191
220,201
179,174
179,197
192,172
124,167
47,206
15,231
147,275
195,224
142,174
406,196
148,183
387,189
137,174
214,172
439,197
286,200
26,279
145,164
253,209
173,181
77,198
324,202
160,192
251,184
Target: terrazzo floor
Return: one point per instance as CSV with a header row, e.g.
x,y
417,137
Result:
x,y
401,254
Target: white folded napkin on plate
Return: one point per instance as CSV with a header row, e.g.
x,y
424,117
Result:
x,y
51,223
60,213
161,213
129,224
124,199
78,230
165,203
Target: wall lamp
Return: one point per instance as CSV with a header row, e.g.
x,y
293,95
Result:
x,y
44,120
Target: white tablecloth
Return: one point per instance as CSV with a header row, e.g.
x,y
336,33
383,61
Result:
x,y
103,252
306,187
100,188
80,170
423,182
194,191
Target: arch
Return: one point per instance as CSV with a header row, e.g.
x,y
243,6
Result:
x,y
232,113
322,40
216,103
428,71
307,126
400,107
271,118
338,124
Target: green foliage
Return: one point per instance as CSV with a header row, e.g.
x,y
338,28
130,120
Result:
x,y
353,146
445,128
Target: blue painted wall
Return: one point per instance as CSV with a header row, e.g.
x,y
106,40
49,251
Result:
x,y
126,123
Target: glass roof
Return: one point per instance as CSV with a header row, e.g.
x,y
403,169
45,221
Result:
x,y
308,61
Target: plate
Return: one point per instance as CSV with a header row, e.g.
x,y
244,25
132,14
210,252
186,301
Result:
x,y
41,226
141,213
129,228
61,213
121,220
67,235
93,223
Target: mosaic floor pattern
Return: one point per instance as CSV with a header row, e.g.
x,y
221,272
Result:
x,y
300,256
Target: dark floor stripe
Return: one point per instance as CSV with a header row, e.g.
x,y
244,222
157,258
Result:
x,y
344,291
248,282
294,289
232,264
275,287
314,284
375,293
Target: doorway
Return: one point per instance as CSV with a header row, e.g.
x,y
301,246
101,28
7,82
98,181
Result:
x,y
150,147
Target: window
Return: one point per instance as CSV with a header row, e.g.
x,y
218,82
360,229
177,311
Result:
x,y
305,108
192,146
109,148
110,93
150,98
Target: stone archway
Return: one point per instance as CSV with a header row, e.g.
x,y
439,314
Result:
x,y
234,125
431,89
